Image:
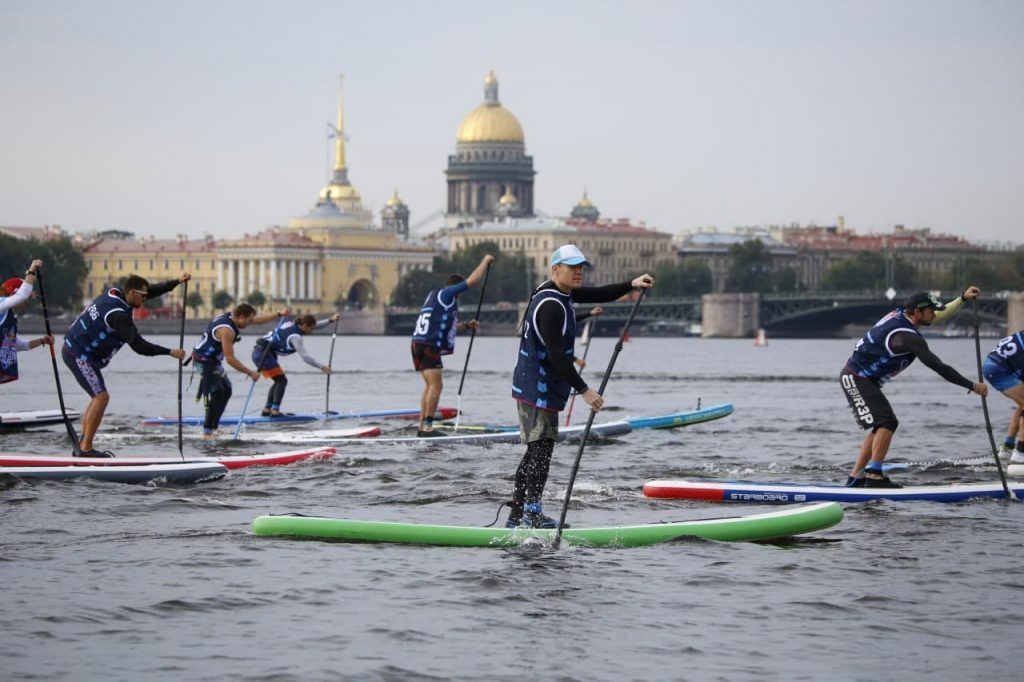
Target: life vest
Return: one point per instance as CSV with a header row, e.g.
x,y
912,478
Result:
x,y
535,381
209,349
437,321
8,346
91,336
873,357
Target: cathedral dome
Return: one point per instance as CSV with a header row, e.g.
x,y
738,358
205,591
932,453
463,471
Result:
x,y
490,122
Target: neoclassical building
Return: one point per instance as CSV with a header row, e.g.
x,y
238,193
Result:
x,y
490,174
333,257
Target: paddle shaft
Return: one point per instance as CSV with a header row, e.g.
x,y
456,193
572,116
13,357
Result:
x,y
56,375
330,360
252,386
572,398
469,349
984,404
181,364
590,419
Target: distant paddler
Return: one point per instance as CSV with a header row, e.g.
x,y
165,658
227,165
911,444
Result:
x,y
285,339
887,349
97,334
14,294
1004,369
434,337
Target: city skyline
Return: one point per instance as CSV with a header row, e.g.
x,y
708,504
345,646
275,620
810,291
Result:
x,y
198,118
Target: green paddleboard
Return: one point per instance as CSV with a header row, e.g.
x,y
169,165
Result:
x,y
768,526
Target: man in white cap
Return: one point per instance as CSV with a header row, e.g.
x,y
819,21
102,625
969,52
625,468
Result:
x,y
545,374
887,349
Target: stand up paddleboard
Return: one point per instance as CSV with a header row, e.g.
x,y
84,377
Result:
x,y
8,460
188,472
756,527
788,493
442,413
21,420
571,434
664,421
284,436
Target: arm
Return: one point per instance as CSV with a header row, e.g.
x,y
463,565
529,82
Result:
x,y
295,341
260,319
125,330
478,273
550,318
227,342
323,323
903,342
593,312
23,293
953,306
161,288
24,344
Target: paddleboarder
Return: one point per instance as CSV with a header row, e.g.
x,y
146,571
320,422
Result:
x,y
285,339
545,374
14,293
887,349
434,337
97,334
1004,369
216,346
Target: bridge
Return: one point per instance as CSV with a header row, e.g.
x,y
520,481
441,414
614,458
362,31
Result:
x,y
798,315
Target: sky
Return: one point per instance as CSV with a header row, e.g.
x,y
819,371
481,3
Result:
x,y
185,117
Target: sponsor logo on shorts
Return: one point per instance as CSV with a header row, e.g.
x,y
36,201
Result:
x,y
860,407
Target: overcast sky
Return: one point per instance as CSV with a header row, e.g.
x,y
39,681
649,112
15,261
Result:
x,y
192,117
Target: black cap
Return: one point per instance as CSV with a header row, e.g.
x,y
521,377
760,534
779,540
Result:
x,y
921,300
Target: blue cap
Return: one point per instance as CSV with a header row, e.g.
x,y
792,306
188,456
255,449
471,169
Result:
x,y
568,254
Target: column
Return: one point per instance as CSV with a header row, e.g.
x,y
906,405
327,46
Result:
x,y
305,280
293,276
273,278
232,284
251,276
220,274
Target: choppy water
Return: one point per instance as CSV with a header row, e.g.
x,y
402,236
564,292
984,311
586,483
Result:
x,y
112,582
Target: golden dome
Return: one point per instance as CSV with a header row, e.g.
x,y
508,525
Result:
x,y
508,198
394,200
585,202
490,122
337,191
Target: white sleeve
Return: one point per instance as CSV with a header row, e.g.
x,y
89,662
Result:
x,y
296,342
21,344
17,298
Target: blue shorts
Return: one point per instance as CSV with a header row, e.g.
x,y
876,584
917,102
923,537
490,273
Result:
x,y
1000,376
86,374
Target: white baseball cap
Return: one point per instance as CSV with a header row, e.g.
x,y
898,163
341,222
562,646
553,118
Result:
x,y
568,254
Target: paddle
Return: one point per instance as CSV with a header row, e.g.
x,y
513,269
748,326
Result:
x,y
585,340
330,359
590,419
181,363
984,404
252,386
469,349
56,376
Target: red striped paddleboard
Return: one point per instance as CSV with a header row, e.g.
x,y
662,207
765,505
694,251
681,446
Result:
x,y
229,461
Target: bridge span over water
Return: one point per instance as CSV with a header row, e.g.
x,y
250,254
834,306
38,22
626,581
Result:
x,y
803,315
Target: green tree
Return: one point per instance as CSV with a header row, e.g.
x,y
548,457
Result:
x,y
195,301
64,269
221,300
413,288
870,271
690,278
751,267
256,298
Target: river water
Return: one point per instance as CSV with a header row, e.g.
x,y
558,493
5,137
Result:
x,y
113,582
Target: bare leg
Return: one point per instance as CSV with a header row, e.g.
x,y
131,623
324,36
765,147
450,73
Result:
x,y
880,445
864,455
92,418
433,380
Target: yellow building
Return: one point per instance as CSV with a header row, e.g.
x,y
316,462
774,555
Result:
x,y
333,257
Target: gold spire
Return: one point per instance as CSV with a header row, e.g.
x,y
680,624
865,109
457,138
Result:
x,y
394,200
508,198
339,130
585,202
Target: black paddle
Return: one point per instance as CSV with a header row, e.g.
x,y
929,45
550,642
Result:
x,y
469,349
56,376
181,363
984,404
586,333
330,360
590,419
